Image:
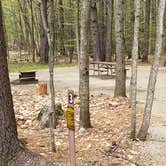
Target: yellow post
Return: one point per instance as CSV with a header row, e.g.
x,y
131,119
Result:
x,y
71,127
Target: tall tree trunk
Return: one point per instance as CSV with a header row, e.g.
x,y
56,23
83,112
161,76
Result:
x,y
95,32
9,144
120,82
146,32
154,71
32,34
61,27
84,66
11,153
21,33
101,30
44,47
164,47
78,27
108,52
71,34
134,70
153,25
50,33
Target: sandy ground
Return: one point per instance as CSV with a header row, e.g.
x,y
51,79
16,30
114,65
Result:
x,y
152,152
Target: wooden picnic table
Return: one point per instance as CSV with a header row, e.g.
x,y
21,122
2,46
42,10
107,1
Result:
x,y
104,67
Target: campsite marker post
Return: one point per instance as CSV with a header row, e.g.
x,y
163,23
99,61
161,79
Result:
x,y
71,127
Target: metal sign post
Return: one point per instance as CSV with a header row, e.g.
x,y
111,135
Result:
x,y
71,127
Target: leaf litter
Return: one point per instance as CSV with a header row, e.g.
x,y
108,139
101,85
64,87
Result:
x,y
106,143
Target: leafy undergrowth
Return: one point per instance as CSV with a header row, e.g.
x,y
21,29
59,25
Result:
x,y
106,143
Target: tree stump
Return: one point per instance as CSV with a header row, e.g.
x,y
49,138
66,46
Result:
x,y
42,88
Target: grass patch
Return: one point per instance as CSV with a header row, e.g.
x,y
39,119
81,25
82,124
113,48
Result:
x,y
18,67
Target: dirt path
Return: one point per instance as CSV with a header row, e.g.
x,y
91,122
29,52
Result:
x,y
152,152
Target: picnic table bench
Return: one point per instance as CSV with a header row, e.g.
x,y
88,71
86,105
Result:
x,y
27,76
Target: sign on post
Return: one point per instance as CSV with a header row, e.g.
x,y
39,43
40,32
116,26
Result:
x,y
71,126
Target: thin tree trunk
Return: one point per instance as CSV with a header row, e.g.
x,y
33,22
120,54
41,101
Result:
x,y
108,55
49,33
120,82
101,30
154,71
95,32
84,66
146,34
61,27
78,27
71,34
32,34
44,47
153,25
134,70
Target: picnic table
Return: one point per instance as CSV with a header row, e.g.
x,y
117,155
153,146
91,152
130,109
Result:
x,y
107,68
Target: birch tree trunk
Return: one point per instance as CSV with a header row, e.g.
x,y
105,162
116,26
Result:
x,y
84,66
120,82
134,70
154,71
51,69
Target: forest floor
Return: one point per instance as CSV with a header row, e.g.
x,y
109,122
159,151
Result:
x,y
109,137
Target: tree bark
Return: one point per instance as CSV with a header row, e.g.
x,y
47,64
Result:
x,y
33,32
134,70
153,25
153,74
120,82
84,66
108,55
49,33
61,27
9,144
101,30
78,27
44,47
95,32
11,153
146,32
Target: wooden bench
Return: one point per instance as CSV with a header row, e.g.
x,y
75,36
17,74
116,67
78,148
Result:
x,y
99,71
27,76
101,67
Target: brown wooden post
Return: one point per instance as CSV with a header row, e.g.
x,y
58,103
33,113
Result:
x,y
71,127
